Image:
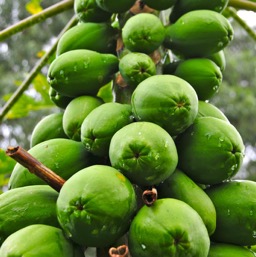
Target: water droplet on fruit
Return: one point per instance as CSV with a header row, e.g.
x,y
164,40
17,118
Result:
x,y
218,8
143,246
208,135
228,212
234,167
254,234
157,156
75,68
215,88
62,73
220,44
251,212
192,133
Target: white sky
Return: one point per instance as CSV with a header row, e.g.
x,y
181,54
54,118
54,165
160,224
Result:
x,y
248,16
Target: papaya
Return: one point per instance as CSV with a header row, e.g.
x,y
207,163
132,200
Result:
x,y
143,32
180,186
144,152
135,67
58,99
210,151
99,37
76,112
167,100
198,33
81,72
206,109
39,240
95,206
25,206
160,4
234,202
230,250
219,58
101,124
114,6
89,11
48,127
169,228
202,74
61,155
184,6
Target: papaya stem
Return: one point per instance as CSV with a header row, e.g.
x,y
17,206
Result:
x,y
241,22
36,18
149,196
243,4
120,251
36,69
35,167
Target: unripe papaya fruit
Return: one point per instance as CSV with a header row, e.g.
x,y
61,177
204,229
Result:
x,y
166,100
206,109
184,6
199,33
144,152
81,72
202,74
58,99
89,11
234,202
99,37
48,127
230,250
160,4
101,124
169,228
95,206
61,155
76,112
210,151
39,240
25,206
135,67
180,186
143,32
114,6
219,59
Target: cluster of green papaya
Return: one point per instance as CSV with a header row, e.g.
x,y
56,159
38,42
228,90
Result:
x,y
148,161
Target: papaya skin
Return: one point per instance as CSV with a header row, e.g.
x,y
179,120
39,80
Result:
x,y
210,151
160,4
81,72
114,6
25,206
95,206
236,212
39,240
180,186
168,228
198,33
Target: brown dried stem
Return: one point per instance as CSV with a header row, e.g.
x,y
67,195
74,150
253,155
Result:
x,y
149,196
120,251
35,167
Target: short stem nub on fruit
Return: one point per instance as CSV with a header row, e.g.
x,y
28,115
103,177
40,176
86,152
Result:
x,y
149,196
120,251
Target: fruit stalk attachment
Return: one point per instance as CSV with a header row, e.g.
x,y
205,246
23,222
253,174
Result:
x,y
120,251
149,196
35,167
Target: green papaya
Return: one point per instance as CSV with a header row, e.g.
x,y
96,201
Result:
x,y
58,99
198,33
169,228
48,127
89,11
81,72
219,59
184,6
25,206
39,240
202,74
206,109
160,4
180,186
99,37
61,155
101,124
234,202
114,6
76,112
210,151
229,250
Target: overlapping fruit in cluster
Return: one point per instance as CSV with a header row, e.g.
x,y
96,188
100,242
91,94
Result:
x,y
148,161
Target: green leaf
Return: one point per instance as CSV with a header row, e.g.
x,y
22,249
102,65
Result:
x,y
33,6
